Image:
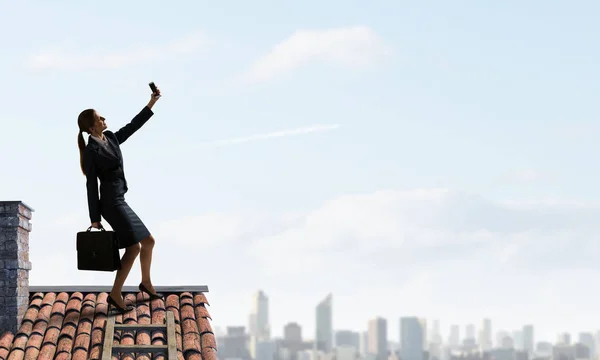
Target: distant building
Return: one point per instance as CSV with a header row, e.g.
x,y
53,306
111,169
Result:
x,y
324,328
582,351
292,341
543,349
528,339
576,351
377,344
504,340
454,337
470,333
292,333
262,349
563,339
259,317
235,344
518,342
435,351
436,336
563,352
587,339
309,355
502,354
411,338
364,342
346,352
521,355
347,338
485,335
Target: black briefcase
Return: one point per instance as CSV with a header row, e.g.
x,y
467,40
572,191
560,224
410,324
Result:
x,y
98,250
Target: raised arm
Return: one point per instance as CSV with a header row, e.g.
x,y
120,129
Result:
x,y
134,125
92,186
140,119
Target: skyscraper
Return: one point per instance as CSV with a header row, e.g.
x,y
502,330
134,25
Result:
x,y
503,339
485,335
377,338
587,339
435,335
292,333
424,331
364,342
470,332
347,338
518,340
292,339
454,338
411,338
324,328
563,339
528,339
259,316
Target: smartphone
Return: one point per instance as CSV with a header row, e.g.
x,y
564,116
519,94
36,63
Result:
x,y
152,87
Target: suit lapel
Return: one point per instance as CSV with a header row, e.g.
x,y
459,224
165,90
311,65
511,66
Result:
x,y
100,149
112,145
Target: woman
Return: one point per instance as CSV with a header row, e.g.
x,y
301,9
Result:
x,y
102,159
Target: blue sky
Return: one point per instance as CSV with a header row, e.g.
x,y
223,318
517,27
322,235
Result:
x,y
493,102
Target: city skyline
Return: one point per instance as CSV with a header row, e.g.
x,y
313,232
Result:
x,y
525,334
418,341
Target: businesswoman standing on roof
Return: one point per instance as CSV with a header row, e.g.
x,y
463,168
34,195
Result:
x,y
102,159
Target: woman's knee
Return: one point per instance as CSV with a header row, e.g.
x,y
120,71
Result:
x,y
148,242
133,249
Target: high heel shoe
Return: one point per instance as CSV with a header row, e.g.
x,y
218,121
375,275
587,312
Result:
x,y
153,296
120,309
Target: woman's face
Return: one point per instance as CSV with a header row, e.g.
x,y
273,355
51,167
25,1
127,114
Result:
x,y
99,122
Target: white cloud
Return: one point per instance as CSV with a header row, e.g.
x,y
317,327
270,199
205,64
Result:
x,y
269,135
62,60
313,129
417,223
428,252
353,47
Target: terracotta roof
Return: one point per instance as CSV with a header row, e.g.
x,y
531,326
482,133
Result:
x,y
65,326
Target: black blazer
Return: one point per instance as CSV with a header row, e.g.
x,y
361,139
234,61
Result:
x,y
101,164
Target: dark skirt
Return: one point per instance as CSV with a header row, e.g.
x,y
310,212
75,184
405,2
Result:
x,y
124,221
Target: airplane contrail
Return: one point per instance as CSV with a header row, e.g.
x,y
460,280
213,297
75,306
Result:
x,y
270,135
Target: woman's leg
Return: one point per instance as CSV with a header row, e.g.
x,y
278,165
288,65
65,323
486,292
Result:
x,y
127,260
146,262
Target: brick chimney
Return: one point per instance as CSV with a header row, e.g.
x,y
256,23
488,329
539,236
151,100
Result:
x,y
14,263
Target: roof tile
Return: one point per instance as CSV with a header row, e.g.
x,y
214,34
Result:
x,y
15,354
71,326
19,342
208,341
5,344
204,326
202,312
209,354
200,298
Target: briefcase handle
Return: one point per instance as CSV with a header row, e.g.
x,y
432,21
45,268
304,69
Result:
x,y
101,228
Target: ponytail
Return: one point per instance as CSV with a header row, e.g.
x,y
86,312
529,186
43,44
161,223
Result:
x,y
85,121
81,144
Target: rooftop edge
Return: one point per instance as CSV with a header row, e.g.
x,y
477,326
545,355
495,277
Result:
x,y
107,288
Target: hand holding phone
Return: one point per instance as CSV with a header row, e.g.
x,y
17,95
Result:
x,y
155,91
